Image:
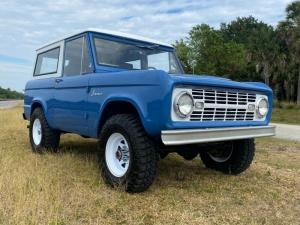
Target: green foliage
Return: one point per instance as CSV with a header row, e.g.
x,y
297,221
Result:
x,y
206,52
259,40
183,54
248,50
9,94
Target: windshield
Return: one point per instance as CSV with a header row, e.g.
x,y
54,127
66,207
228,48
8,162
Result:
x,y
135,57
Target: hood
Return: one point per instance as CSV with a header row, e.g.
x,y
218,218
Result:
x,y
213,81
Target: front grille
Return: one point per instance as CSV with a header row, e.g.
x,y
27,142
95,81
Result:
x,y
222,105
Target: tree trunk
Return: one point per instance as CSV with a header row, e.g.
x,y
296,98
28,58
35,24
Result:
x,y
276,91
266,72
298,87
287,92
292,92
282,91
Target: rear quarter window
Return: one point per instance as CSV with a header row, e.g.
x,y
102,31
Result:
x,y
47,62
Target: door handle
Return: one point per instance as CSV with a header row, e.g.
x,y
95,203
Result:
x,y
58,80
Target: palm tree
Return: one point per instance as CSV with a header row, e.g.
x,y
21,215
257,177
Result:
x,y
293,24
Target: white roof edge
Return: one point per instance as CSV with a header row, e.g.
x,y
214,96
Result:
x,y
109,32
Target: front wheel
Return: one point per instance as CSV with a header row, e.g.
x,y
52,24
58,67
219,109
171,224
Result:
x,y
232,157
128,156
188,152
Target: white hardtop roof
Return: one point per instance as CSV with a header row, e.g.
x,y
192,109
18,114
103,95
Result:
x,y
109,32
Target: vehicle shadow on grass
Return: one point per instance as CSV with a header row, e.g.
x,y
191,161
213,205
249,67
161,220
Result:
x,y
78,145
172,164
173,171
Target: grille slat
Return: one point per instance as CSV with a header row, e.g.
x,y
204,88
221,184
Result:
x,y
223,105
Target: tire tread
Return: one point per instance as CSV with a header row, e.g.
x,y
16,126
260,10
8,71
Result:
x,y
241,159
50,138
144,159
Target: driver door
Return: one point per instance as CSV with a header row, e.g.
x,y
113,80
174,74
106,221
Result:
x,y
71,89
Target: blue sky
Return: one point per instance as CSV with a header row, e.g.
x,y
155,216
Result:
x,y
27,24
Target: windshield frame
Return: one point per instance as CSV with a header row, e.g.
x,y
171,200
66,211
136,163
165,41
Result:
x,y
139,44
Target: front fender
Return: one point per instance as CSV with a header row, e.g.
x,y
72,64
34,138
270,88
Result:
x,y
145,91
127,99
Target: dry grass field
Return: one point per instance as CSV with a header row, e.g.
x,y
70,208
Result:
x,y
66,187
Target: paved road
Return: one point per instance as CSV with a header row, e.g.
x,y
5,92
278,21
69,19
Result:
x,y
289,132
10,104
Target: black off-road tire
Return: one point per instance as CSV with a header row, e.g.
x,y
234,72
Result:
x,y
143,154
240,159
50,137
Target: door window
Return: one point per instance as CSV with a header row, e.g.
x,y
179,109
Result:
x,y
77,59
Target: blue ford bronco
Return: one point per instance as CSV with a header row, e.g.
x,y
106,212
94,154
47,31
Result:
x,y
131,93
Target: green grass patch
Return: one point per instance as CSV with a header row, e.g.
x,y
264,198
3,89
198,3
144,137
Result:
x,y
286,112
286,115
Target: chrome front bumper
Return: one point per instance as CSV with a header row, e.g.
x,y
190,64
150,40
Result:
x,y
193,136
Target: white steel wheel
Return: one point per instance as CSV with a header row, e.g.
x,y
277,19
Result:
x,y
117,156
221,156
37,131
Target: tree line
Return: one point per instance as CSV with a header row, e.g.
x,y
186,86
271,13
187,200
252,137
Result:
x,y
9,94
248,50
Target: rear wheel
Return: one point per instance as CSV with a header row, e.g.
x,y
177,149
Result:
x,y
128,157
40,134
231,157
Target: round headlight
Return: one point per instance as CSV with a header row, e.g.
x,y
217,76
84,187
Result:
x,y
184,104
262,107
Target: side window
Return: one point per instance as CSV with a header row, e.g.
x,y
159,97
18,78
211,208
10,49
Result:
x,y
77,60
47,62
136,64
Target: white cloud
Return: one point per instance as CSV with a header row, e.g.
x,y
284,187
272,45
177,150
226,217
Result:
x,y
26,24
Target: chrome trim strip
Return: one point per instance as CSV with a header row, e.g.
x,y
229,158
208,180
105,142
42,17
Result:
x,y
192,136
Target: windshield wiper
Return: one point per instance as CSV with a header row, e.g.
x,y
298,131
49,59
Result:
x,y
148,46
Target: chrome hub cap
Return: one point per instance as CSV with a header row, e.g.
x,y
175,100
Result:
x,y
37,132
117,155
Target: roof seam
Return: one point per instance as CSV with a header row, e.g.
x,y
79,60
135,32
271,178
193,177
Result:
x,y
112,33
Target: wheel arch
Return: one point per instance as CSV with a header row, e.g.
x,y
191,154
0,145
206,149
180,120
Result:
x,y
37,103
118,106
